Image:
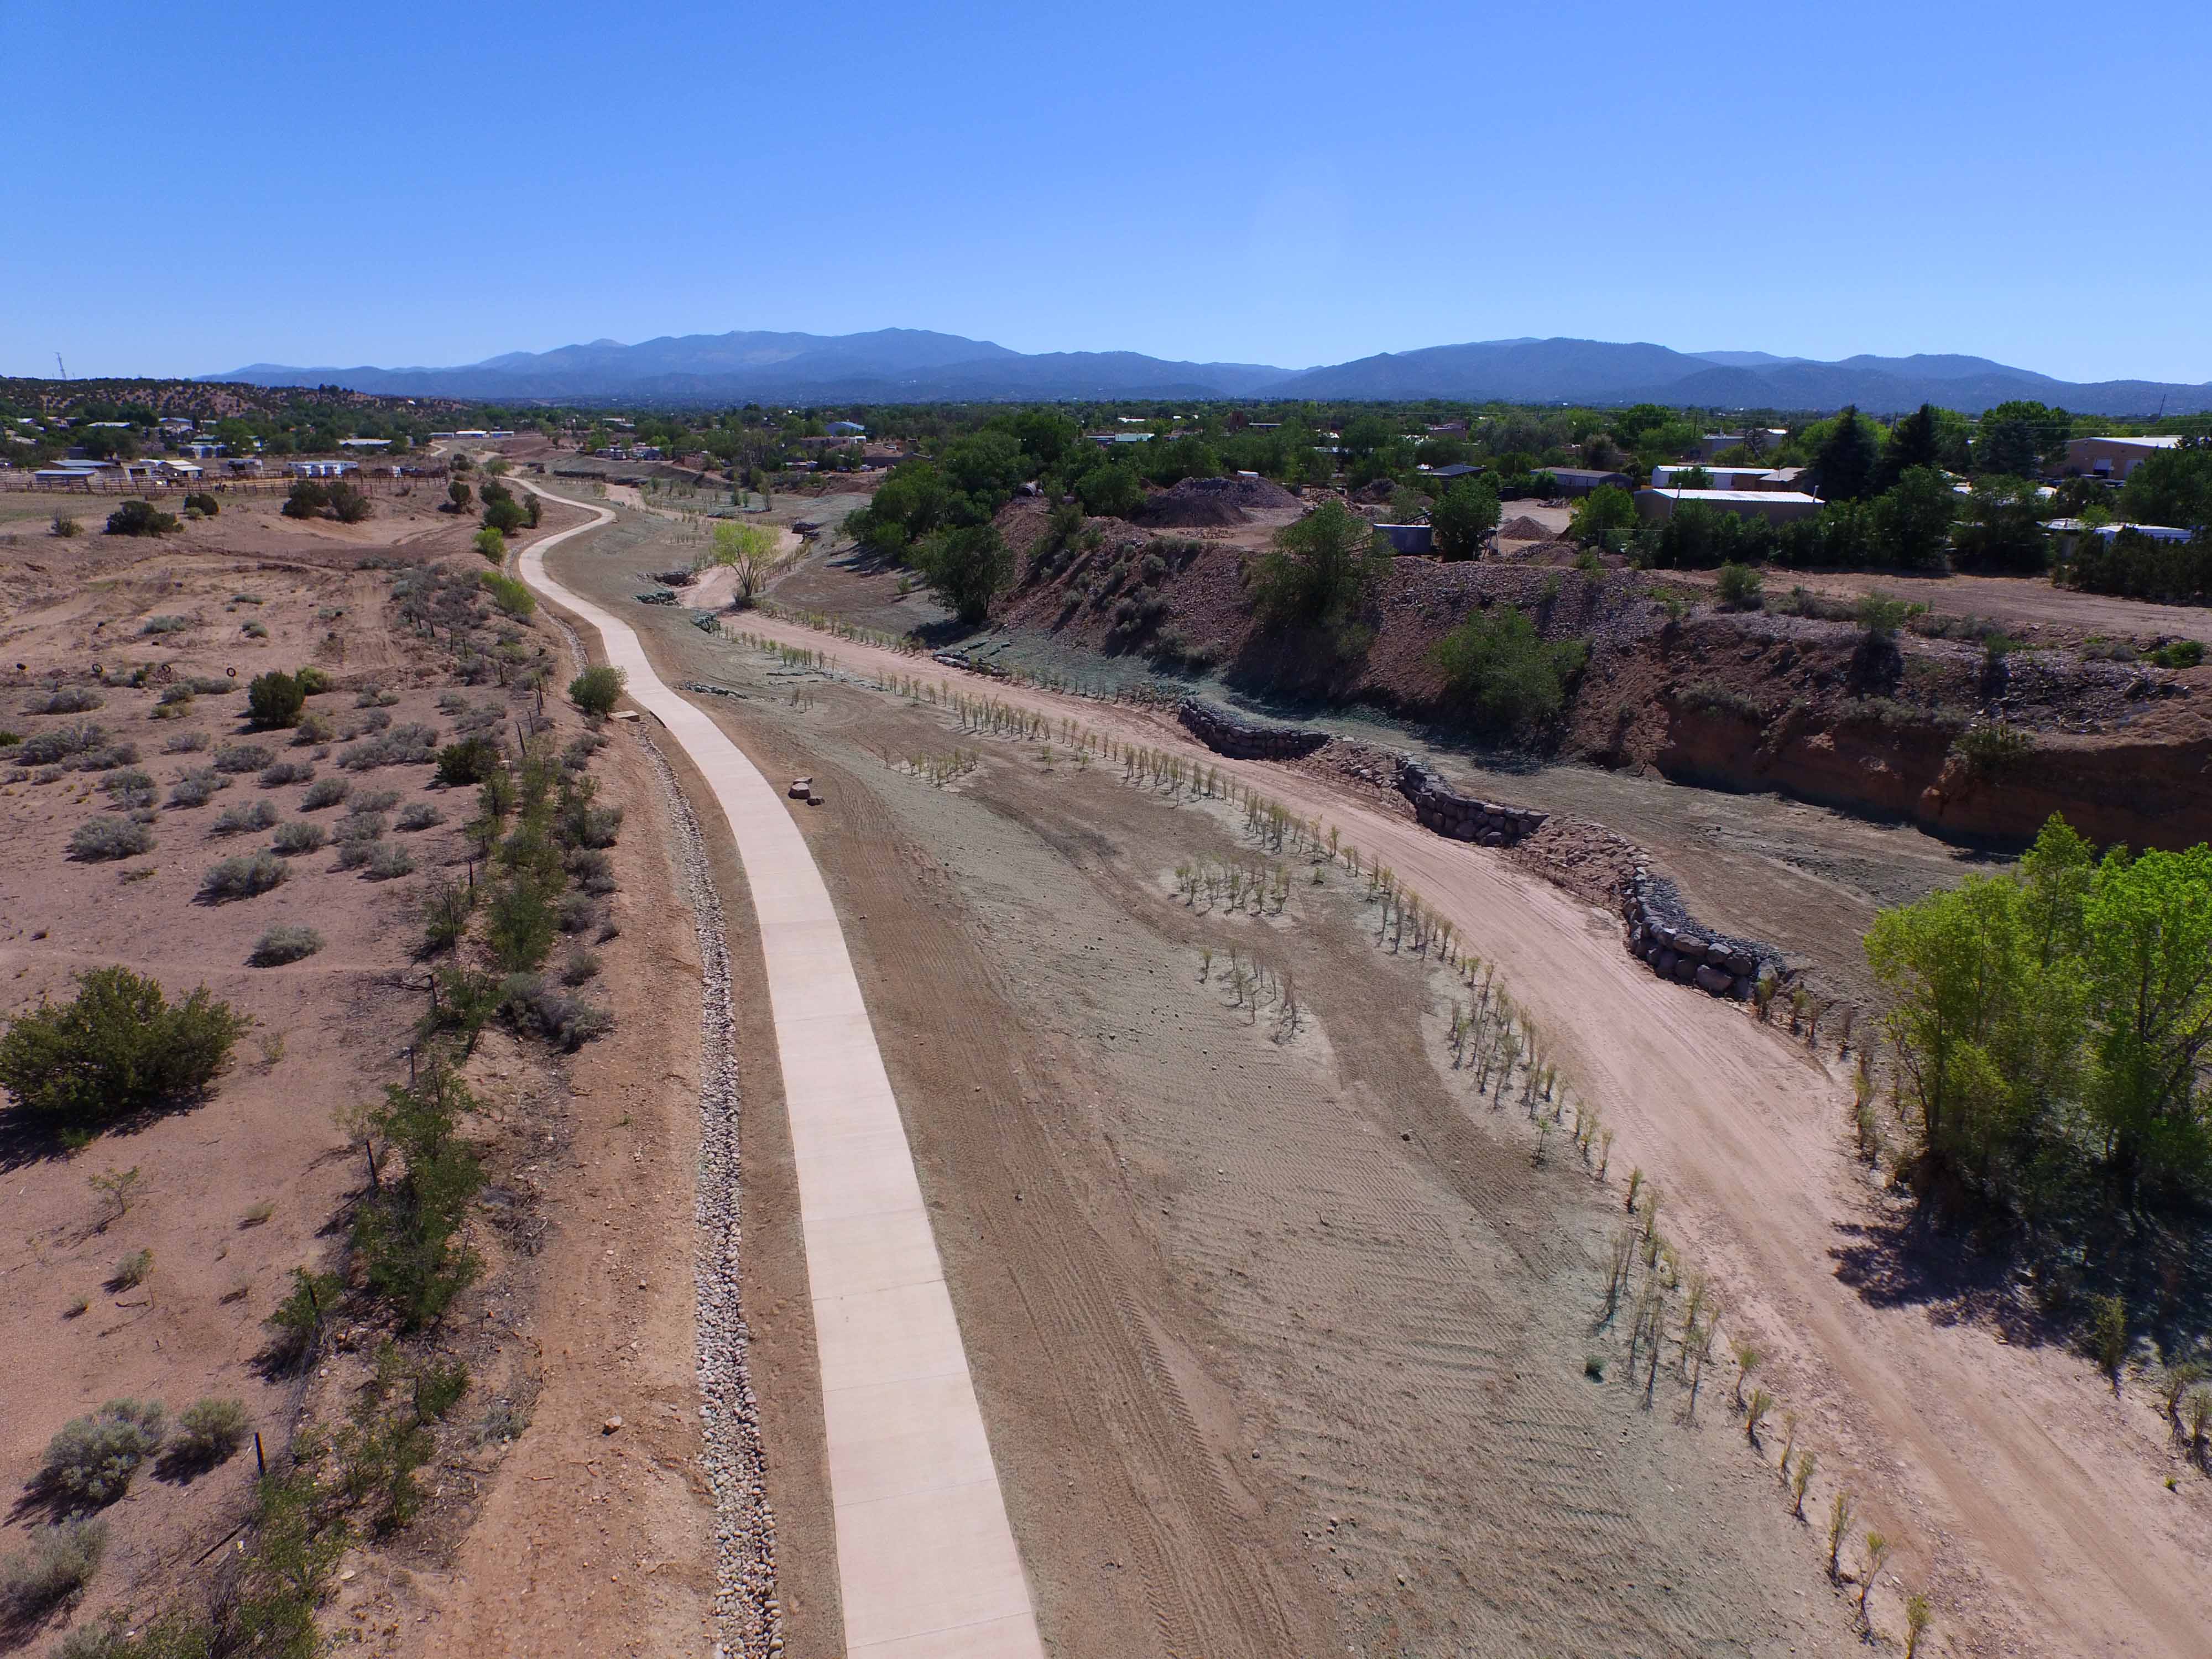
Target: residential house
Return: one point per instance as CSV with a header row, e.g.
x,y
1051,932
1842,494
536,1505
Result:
x,y
1453,473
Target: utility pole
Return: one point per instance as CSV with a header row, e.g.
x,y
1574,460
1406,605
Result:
x,y
57,364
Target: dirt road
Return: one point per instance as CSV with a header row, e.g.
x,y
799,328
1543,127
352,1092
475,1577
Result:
x,y
2028,1497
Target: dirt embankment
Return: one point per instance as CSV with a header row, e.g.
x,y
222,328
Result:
x,y
1942,732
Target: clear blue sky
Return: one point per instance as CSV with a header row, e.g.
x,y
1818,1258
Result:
x,y
185,190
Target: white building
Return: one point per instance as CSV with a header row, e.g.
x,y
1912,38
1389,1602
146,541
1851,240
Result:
x,y
2112,458
321,469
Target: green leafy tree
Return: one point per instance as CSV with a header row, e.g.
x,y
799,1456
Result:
x,y
1467,512
2016,438
1843,459
1598,515
1914,441
140,519
1110,491
2147,925
506,516
119,1046
2171,487
274,700
597,689
1914,518
1503,675
2001,528
491,545
966,567
749,550
1321,570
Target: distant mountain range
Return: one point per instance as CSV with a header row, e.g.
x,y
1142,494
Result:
x,y
902,365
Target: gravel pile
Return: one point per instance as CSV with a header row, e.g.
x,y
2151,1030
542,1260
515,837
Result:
x,y
1523,528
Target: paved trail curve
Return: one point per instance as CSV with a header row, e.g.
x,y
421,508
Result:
x,y
925,1561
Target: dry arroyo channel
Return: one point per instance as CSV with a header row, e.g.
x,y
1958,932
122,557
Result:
x,y
926,1559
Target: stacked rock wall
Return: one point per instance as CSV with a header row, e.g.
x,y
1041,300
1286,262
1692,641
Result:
x,y
1232,734
1676,946
1463,818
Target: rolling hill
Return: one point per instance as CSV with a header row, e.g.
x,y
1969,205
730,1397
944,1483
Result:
x,y
899,365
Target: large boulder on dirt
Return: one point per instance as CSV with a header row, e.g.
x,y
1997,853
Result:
x,y
1714,980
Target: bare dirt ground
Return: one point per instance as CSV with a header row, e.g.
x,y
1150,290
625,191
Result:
x,y
2030,1497
2034,605
1259,1327
240,1189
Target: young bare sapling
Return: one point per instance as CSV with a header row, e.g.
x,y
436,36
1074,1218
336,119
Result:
x,y
1877,1552
1840,1511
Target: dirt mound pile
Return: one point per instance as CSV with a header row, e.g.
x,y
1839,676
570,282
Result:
x,y
1555,555
1523,528
1199,502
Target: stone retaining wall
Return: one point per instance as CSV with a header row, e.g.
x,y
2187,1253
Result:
x,y
1232,734
1661,933
1491,824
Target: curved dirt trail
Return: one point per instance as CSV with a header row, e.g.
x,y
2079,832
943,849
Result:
x,y
1998,1467
925,1557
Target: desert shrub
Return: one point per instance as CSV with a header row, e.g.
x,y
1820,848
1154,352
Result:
x,y
350,503
97,839
64,743
296,1327
89,1463
129,786
172,1636
315,681
356,854
245,819
1504,675
405,1233
1992,750
55,1566
593,826
254,630
473,760
297,837
446,909
324,792
186,743
207,1432
243,878
275,699
2179,653
369,802
387,862
364,819
593,872
578,755
140,519
241,757
66,527
578,966
492,545
159,625
313,731
412,744
420,815
596,689
532,1006
372,696
371,722
519,924
277,775
105,757
205,503
579,913
305,499
286,942
68,700
1740,587
511,596
117,1047
197,787
174,703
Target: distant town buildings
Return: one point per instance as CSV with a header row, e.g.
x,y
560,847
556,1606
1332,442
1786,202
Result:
x,y
1775,505
2111,457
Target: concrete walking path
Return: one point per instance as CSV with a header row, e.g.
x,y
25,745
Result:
x,y
926,1559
